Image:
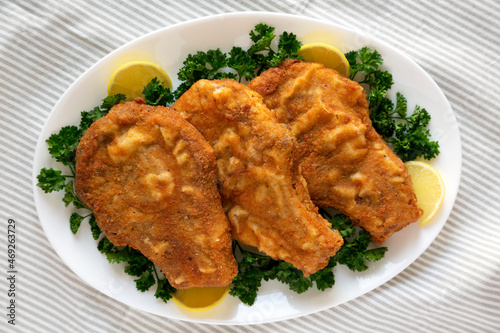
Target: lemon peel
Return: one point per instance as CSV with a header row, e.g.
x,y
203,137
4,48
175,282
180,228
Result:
x,y
328,55
200,298
131,78
429,188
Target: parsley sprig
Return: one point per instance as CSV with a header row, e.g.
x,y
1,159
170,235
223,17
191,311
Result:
x,y
406,132
156,93
238,63
138,266
253,267
354,253
262,51
62,147
202,65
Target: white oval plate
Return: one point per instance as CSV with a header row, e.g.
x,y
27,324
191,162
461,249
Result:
x,y
169,47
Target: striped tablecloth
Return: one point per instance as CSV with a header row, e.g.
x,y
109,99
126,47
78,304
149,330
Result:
x,y
453,287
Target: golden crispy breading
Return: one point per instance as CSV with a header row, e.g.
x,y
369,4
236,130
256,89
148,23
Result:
x,y
263,192
346,164
150,179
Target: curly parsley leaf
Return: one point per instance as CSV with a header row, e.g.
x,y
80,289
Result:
x,y
88,117
109,101
242,63
407,133
156,93
62,145
70,196
324,278
137,264
50,180
113,254
375,254
105,246
286,273
251,271
343,224
247,64
364,61
145,281
94,228
75,221
202,65
411,138
401,108
262,51
262,36
164,290
354,253
288,48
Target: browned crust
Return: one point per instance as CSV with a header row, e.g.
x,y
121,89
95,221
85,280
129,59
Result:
x,y
263,191
131,171
346,164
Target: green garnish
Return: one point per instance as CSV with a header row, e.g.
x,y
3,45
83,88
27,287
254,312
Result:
x,y
354,253
156,93
247,64
262,52
407,133
50,180
138,266
254,267
62,147
202,65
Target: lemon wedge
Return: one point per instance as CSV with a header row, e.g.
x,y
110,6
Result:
x,y
131,78
325,54
200,298
428,186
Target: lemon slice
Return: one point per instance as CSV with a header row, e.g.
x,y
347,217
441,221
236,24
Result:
x,y
428,186
200,299
325,54
131,78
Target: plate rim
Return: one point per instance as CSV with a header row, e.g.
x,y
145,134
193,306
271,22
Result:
x,y
40,144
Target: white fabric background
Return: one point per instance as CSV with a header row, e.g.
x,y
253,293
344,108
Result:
x,y
453,287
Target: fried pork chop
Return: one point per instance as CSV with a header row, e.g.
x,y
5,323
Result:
x,y
263,192
150,178
346,164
